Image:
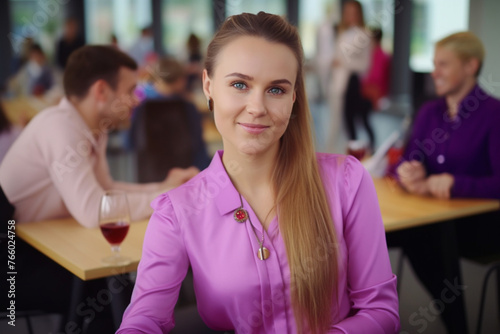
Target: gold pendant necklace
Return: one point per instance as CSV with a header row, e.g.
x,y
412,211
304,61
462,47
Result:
x,y
241,215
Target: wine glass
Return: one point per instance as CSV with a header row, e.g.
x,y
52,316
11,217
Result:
x,y
356,148
114,221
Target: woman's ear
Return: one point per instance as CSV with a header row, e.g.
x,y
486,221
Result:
x,y
206,84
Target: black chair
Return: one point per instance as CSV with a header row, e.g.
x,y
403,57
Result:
x,y
163,139
490,259
495,267
6,215
6,209
483,248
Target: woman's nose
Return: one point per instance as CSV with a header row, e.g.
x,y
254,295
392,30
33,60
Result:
x,y
256,104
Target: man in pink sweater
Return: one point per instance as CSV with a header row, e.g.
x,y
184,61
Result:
x,y
57,168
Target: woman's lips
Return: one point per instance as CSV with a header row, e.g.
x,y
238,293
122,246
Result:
x,y
253,128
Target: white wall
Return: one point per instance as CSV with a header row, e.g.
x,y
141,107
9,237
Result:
x,y
484,21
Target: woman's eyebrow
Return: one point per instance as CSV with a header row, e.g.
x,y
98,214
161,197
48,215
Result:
x,y
249,78
281,81
240,75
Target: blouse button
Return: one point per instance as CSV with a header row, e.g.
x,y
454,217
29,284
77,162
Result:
x,y
440,159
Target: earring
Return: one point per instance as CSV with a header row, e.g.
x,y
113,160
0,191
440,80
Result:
x,y
210,104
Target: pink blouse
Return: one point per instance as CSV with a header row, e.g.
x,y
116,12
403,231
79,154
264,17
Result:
x,y
193,225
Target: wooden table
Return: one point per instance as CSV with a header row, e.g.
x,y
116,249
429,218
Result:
x,y
19,110
401,210
79,249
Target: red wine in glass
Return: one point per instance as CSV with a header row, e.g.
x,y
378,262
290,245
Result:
x,y
357,149
114,221
115,232
357,153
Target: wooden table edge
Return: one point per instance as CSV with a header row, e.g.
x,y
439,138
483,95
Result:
x,y
50,254
489,206
85,275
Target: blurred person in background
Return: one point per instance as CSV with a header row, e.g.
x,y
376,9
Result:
x,y
194,62
22,53
36,77
453,152
168,83
70,41
57,168
168,77
325,44
351,61
142,47
375,84
8,133
453,149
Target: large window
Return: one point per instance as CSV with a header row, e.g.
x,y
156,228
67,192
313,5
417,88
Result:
x,y
270,6
39,20
380,14
180,18
123,18
433,20
312,15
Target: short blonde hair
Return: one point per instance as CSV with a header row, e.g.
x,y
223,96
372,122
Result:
x,y
466,45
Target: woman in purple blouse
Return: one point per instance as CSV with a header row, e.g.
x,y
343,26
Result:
x,y
279,239
453,151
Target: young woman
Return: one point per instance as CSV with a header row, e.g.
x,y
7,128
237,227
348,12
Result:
x,y
279,239
353,49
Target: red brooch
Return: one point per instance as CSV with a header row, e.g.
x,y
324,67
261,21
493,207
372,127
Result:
x,y
240,215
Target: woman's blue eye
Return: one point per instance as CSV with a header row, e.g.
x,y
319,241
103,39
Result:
x,y
239,85
276,91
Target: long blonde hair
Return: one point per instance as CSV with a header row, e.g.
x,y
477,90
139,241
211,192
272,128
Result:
x,y
303,212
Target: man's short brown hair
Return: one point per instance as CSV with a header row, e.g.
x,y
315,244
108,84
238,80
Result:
x,y
90,63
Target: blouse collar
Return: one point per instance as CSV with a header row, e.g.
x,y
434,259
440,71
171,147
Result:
x,y
226,197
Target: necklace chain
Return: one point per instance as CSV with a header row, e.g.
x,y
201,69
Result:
x,y
262,249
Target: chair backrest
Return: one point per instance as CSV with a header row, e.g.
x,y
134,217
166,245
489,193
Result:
x,y
6,214
167,141
6,208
